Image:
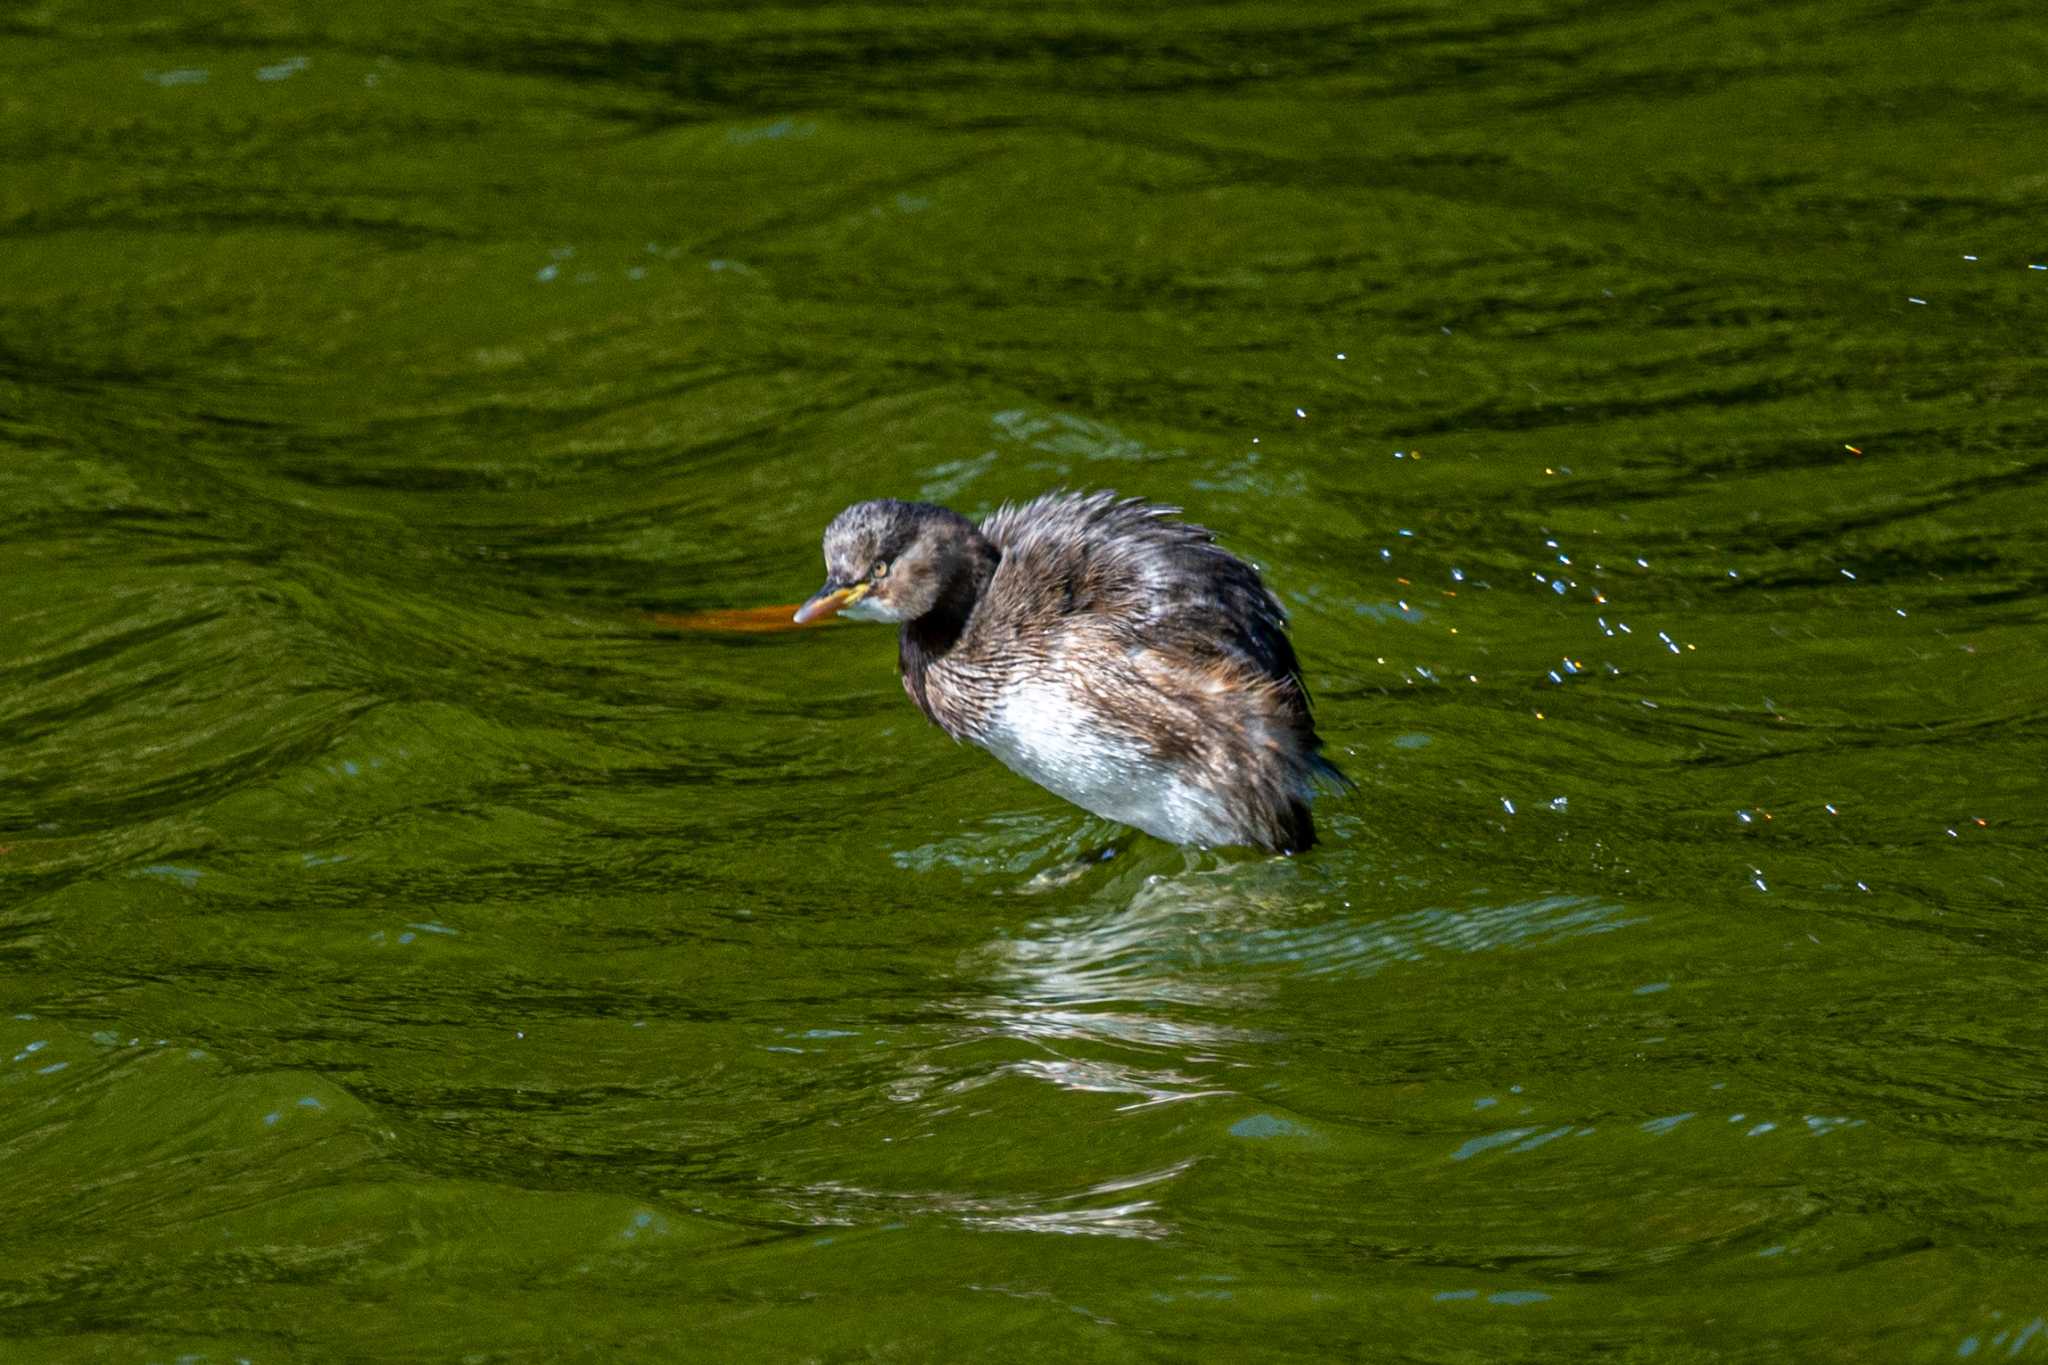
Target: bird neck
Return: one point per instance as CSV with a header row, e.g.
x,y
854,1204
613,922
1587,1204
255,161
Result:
x,y
931,637
967,576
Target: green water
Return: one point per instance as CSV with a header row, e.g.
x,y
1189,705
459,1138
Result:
x,y
410,951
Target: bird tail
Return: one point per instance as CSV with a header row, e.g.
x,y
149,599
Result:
x,y
1328,775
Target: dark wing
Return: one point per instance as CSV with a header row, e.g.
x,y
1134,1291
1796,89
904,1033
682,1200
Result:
x,y
1133,562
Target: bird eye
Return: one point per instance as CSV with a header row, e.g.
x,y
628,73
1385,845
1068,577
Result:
x,y
881,569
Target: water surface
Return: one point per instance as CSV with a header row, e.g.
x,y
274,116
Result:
x,y
410,949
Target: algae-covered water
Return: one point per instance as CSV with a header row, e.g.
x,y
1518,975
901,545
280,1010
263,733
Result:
x,y
414,945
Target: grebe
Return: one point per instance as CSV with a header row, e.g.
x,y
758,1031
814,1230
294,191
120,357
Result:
x,y
1114,655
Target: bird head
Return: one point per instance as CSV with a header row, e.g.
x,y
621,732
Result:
x,y
891,561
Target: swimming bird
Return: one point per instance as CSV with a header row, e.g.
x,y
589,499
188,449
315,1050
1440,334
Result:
x,y
1111,653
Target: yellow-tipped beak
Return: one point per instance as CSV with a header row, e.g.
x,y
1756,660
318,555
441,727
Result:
x,y
830,602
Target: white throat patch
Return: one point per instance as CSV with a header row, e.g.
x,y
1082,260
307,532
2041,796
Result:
x,y
868,609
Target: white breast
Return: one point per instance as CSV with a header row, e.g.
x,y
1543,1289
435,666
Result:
x,y
1040,731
